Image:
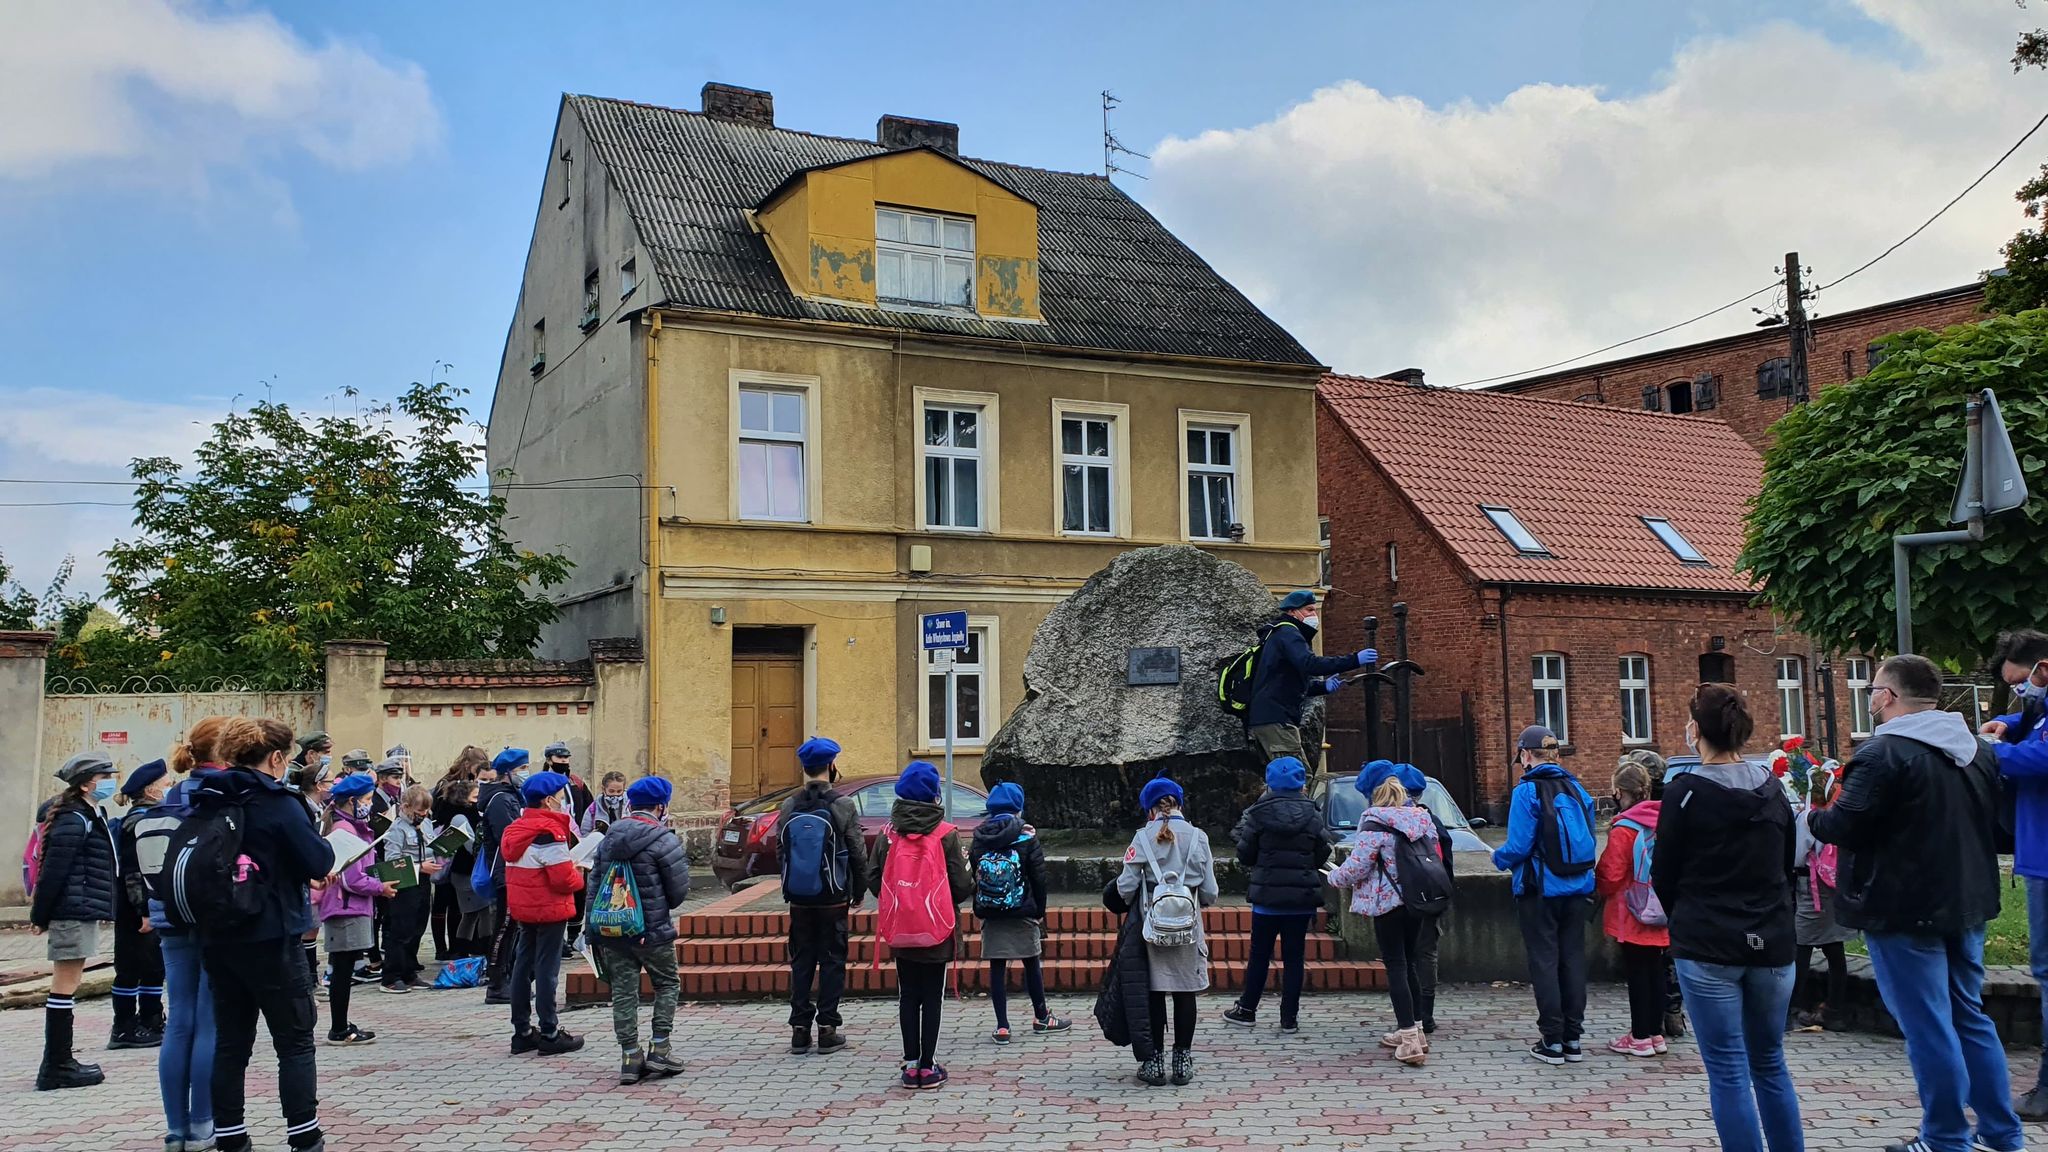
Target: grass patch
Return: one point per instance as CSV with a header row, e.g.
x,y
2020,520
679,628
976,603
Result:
x,y
2006,938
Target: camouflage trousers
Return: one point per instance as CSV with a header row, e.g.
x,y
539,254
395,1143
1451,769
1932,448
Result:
x,y
621,965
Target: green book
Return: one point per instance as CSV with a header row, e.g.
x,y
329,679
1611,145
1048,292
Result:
x,y
380,823
398,870
449,842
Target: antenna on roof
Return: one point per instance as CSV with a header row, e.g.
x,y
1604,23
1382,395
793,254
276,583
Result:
x,y
1113,147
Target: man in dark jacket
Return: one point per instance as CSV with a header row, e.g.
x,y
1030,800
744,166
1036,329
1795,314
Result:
x,y
818,922
1917,824
499,802
661,875
258,969
1281,840
1288,672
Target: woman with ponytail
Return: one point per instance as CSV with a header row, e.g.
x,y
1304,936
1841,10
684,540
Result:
x,y
74,892
1167,851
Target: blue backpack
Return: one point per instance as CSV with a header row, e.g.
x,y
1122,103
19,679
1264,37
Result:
x,y
1565,845
1639,897
814,861
615,909
999,883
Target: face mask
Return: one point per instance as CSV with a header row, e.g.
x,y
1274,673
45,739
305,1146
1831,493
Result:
x,y
1692,739
325,761
2028,690
1312,620
103,791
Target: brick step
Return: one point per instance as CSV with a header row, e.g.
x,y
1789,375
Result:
x,y
771,980
773,920
1232,947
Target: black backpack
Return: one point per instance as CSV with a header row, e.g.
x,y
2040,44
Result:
x,y
1419,873
1234,683
207,883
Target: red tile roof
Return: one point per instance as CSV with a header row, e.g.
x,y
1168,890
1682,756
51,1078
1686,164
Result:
x,y
1580,477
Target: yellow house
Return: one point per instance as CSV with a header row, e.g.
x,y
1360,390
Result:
x,y
778,394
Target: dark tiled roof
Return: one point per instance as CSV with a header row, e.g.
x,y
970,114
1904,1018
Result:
x,y
1580,477
1111,278
487,673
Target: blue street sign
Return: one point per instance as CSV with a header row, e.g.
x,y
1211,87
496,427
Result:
x,y
943,629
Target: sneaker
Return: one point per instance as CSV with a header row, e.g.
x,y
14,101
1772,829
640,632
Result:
x,y
1910,1146
799,1040
1804,1022
1552,1054
1051,1023
1674,1024
497,999
528,1041
562,1041
661,1061
1241,1016
1183,1068
1573,1054
1290,1028
1977,1144
932,1077
1000,1036
830,1041
2033,1105
1659,1045
1151,1072
632,1067
352,1035
1627,1045
396,989
911,1076
1429,1026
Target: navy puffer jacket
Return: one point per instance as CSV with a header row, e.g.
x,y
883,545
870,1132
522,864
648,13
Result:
x,y
661,871
78,875
1281,840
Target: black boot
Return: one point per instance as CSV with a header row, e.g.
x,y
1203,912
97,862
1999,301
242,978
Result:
x,y
59,1069
123,1035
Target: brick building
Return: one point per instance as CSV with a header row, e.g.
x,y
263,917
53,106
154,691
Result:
x,y
1745,380
1562,563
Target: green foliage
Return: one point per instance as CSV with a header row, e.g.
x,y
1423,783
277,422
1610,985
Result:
x,y
292,532
2024,283
22,609
1881,456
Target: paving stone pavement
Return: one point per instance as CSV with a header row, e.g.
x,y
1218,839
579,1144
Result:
x,y
438,1079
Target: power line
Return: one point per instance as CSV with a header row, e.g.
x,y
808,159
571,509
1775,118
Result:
x,y
1624,343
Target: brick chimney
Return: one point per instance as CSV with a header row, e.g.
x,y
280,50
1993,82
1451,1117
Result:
x,y
1405,376
745,105
893,132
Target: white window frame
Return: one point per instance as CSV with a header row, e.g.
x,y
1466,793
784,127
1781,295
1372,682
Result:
x,y
1322,550
1856,674
1634,675
1559,719
1239,425
1119,417
990,671
807,386
593,300
939,252
1791,697
989,434
629,276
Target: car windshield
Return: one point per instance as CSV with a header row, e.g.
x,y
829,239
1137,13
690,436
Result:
x,y
1345,804
761,804
878,798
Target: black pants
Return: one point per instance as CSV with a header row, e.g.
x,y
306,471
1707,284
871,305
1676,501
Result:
x,y
1643,965
536,972
1399,935
341,984
1812,994
1424,961
1292,932
1554,936
405,921
504,942
999,989
920,991
445,916
817,950
138,968
1184,1005
265,978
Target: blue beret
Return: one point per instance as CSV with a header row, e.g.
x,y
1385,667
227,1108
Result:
x,y
509,759
1298,599
1373,774
920,781
353,785
542,785
143,777
1157,790
817,752
1412,779
649,792
1286,774
1005,797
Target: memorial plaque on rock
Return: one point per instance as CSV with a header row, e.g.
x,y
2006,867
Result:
x,y
1153,666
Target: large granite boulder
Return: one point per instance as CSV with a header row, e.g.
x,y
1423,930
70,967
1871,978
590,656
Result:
x,y
1085,739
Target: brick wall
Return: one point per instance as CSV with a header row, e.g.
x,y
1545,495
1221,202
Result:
x,y
1733,362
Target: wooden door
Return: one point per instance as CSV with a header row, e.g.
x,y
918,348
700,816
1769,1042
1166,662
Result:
x,y
767,723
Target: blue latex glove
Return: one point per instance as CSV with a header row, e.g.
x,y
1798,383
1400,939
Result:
x,y
1332,684
1368,656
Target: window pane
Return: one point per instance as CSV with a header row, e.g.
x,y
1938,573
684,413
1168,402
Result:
x,y
1198,508
786,479
753,478
972,653
1070,437
1098,500
966,425
936,483
959,236
889,226
753,410
958,283
1198,447
924,230
789,413
1219,447
967,494
937,427
967,708
935,705
1072,498
1098,437
889,275
923,280
1220,516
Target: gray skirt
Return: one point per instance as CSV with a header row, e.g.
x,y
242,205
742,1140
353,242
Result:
x,y
1814,927
1012,939
72,939
350,934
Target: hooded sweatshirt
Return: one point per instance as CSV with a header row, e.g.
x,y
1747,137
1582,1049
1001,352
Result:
x,y
1723,866
918,818
1001,833
1371,869
1616,872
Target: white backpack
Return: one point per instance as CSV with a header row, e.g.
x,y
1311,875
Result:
x,y
1172,913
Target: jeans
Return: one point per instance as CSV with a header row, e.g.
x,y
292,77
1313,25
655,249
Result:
x,y
1934,987
536,970
1292,932
817,946
184,1065
1399,936
920,991
2037,955
621,965
1554,936
266,978
1738,1017
1643,965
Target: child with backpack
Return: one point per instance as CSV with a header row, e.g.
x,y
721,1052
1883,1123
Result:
x,y
920,878
1633,917
1397,878
1009,901
347,905
639,877
1550,852
75,880
138,956
1814,878
824,873
1169,876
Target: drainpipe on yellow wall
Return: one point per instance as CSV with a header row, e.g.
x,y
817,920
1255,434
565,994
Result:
x,y
652,655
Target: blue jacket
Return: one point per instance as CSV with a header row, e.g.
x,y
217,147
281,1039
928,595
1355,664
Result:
x,y
1289,672
1520,848
2023,759
279,835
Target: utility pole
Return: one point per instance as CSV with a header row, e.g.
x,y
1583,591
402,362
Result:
x,y
1795,323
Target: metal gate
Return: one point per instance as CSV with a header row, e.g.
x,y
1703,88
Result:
x,y
132,728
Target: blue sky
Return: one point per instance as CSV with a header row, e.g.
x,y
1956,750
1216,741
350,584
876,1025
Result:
x,y
343,196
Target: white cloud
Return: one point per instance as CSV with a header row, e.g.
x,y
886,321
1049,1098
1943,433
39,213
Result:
x,y
1473,239
167,89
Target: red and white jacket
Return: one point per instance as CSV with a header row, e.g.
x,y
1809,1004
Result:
x,y
540,880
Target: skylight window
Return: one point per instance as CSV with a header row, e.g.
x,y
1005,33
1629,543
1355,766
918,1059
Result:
x,y
1524,540
1679,545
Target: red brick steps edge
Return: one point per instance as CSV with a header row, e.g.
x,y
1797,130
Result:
x,y
771,980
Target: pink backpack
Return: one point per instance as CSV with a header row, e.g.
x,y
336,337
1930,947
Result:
x,y
916,906
1824,871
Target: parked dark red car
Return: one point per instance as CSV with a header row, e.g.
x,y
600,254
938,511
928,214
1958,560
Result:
x,y
746,843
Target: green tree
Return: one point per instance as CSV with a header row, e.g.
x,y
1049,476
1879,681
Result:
x,y
2022,282
293,531
23,609
1882,455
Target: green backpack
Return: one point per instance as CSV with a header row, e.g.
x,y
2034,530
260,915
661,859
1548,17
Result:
x,y
615,911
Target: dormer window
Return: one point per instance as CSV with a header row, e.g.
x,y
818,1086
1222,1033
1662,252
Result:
x,y
924,259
